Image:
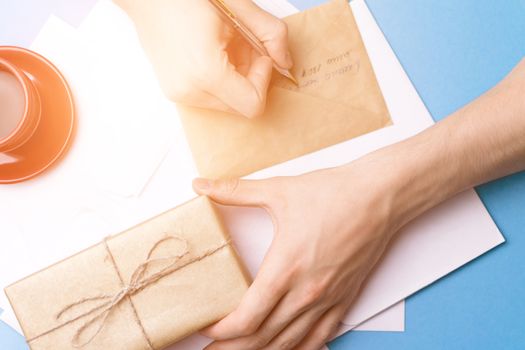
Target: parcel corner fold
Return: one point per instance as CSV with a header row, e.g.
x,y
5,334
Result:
x,y
208,284
337,98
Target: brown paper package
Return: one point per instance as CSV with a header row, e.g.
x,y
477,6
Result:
x,y
204,290
338,98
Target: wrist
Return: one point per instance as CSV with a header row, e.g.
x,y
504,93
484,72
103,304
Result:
x,y
411,177
426,173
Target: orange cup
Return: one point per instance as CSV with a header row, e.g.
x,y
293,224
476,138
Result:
x,y
38,115
31,117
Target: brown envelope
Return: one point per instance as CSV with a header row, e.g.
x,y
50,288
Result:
x,y
338,98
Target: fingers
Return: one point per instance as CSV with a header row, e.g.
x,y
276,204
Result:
x,y
233,191
245,94
293,311
324,329
225,87
202,99
296,331
269,287
241,54
243,87
271,31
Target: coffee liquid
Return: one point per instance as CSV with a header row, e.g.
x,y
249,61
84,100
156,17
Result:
x,y
11,103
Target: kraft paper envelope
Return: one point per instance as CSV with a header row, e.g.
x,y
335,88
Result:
x,y
338,98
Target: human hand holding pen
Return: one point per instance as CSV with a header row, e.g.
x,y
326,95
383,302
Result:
x,y
201,60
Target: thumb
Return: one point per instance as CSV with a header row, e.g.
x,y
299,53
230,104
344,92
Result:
x,y
233,191
271,31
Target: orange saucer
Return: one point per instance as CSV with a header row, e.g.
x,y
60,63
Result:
x,y
53,134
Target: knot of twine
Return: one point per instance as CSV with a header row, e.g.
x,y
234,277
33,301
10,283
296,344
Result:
x,y
139,280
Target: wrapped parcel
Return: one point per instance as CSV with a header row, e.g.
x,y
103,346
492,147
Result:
x,y
144,288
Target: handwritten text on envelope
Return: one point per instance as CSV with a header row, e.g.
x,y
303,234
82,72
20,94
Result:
x,y
338,98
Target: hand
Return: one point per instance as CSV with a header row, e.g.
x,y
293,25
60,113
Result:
x,y
200,60
331,227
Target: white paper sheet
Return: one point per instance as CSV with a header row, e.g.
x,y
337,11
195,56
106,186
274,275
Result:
x,y
65,205
126,118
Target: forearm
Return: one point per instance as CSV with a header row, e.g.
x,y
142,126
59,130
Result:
x,y
483,141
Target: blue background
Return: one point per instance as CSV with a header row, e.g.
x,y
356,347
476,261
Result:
x,y
453,51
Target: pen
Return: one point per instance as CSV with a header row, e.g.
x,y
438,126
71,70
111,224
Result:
x,y
249,36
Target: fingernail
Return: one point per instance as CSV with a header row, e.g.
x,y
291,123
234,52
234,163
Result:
x,y
203,185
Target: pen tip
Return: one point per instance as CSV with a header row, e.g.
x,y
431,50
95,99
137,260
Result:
x,y
292,78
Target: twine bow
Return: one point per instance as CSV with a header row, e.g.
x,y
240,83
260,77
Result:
x,y
139,280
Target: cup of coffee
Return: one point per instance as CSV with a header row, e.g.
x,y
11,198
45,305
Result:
x,y
37,114
19,107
